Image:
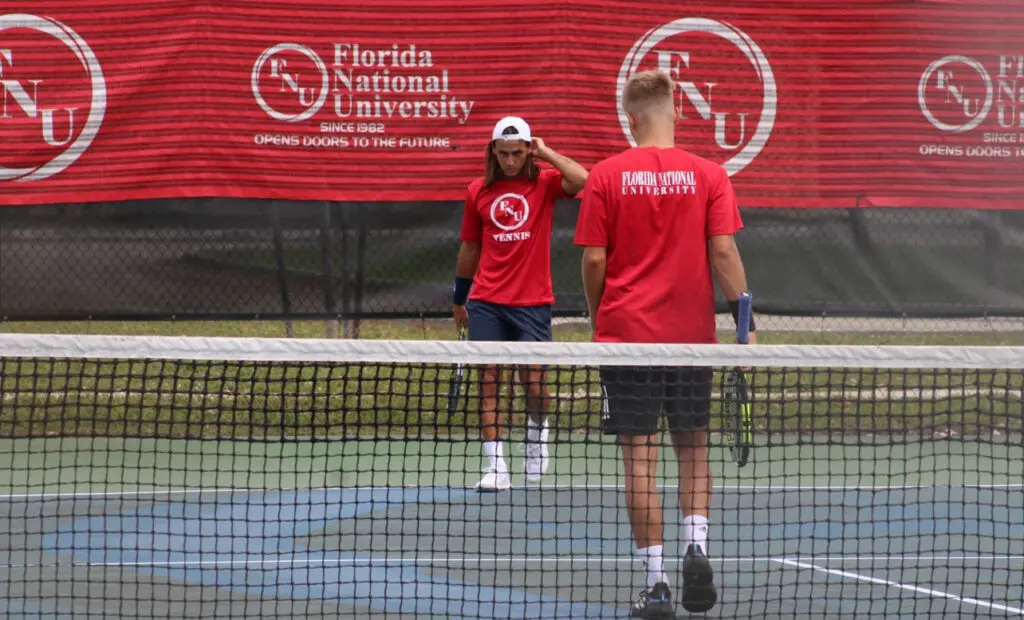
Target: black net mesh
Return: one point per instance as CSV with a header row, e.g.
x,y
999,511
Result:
x,y
297,479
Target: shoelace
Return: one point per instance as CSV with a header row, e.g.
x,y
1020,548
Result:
x,y
642,599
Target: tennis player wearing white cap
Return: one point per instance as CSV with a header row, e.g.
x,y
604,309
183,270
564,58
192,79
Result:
x,y
504,271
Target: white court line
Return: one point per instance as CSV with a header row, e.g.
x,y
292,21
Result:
x,y
902,586
798,487
565,487
526,560
88,494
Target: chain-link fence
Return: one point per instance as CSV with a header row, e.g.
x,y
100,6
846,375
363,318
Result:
x,y
230,259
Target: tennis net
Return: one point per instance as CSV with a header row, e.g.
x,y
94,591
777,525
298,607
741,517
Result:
x,y
219,477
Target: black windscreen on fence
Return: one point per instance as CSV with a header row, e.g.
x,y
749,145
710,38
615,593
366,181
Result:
x,y
240,259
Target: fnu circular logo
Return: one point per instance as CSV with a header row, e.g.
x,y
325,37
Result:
x,y
43,109
725,91
284,63
510,211
955,93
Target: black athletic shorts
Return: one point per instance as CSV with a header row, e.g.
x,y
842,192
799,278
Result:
x,y
489,321
633,399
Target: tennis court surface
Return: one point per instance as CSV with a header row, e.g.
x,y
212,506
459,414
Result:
x,y
190,477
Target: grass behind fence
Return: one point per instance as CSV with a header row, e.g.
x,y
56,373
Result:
x,y
249,400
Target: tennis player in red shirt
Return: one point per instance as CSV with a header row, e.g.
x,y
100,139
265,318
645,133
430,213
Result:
x,y
653,222
505,258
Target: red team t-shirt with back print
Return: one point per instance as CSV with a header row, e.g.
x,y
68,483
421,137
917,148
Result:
x,y
512,222
654,210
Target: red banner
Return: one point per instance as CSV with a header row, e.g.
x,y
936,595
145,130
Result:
x,y
873,103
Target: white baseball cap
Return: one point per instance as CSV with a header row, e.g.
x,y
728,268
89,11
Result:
x,y
521,130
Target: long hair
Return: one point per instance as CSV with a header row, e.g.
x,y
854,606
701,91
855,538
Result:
x,y
492,170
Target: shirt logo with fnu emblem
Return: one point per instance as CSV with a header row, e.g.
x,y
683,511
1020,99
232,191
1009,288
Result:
x,y
510,212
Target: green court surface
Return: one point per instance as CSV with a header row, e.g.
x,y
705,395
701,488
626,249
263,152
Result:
x,y
837,527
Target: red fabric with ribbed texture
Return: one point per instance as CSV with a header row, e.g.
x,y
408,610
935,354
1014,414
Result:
x,y
182,116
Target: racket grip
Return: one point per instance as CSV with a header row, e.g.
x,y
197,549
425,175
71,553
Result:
x,y
743,318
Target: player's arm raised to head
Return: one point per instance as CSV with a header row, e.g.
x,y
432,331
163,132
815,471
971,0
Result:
x,y
723,221
574,175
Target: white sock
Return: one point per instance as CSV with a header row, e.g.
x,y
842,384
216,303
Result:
x,y
654,563
535,432
696,531
497,460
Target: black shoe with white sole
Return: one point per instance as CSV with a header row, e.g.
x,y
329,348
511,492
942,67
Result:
x,y
698,581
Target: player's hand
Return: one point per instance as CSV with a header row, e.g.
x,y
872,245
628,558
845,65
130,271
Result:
x,y
461,317
751,338
539,149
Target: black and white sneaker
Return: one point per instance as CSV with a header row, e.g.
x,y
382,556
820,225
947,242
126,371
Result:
x,y
698,581
654,604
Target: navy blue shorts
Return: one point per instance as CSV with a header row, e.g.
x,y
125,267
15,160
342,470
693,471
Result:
x,y
489,321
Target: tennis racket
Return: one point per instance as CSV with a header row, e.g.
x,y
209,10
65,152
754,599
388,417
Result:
x,y
455,386
739,427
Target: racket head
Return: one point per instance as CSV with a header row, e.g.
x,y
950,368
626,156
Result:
x,y
455,385
736,411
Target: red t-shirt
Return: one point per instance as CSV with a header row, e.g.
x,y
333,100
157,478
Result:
x,y
654,210
512,222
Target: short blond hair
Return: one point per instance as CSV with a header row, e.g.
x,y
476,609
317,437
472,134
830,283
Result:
x,y
645,90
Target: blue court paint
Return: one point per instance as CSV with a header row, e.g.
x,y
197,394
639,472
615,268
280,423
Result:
x,y
231,534
905,514
828,522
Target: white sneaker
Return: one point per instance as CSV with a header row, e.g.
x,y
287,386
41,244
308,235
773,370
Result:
x,y
536,462
494,480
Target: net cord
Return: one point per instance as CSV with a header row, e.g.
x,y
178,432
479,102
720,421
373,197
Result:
x,y
508,353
